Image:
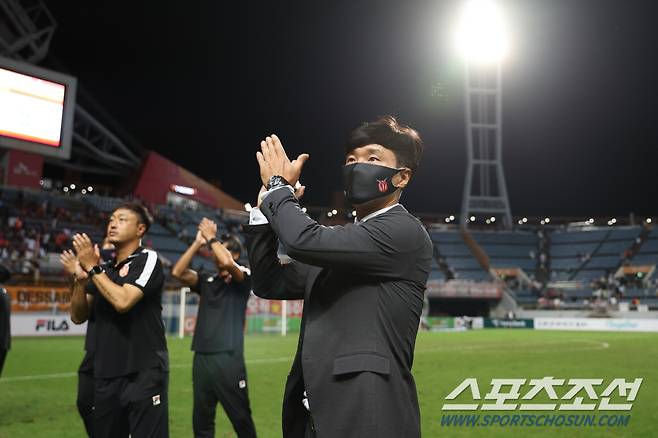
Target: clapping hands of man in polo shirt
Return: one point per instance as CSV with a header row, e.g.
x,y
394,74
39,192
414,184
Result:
x,y
88,253
72,265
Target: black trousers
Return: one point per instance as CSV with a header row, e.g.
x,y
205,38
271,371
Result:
x,y
3,356
85,400
135,405
221,377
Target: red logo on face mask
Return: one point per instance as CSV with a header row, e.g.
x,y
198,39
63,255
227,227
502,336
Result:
x,y
383,185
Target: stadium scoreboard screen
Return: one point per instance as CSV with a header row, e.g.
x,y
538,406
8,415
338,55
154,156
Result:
x,y
36,109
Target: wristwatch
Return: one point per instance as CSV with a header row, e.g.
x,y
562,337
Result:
x,y
211,241
98,269
276,181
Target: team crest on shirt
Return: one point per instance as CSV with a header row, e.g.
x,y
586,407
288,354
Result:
x,y
124,270
156,400
242,384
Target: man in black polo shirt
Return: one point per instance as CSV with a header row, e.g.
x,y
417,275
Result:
x,y
131,368
218,371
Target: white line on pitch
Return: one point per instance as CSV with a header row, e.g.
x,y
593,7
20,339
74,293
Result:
x,y
73,374
280,359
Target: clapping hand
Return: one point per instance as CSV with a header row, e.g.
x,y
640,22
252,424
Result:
x,y
208,229
71,265
273,160
199,238
88,253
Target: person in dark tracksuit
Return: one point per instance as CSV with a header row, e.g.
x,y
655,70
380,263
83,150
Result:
x,y
218,371
5,317
85,397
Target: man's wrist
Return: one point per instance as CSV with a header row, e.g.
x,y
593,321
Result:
x,y
212,240
276,181
97,269
266,193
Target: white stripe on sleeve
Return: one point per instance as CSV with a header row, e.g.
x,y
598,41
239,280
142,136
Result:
x,y
152,257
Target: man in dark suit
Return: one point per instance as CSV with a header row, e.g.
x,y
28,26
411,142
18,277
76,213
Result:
x,y
362,284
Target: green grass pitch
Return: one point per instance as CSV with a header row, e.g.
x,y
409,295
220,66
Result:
x,y
38,385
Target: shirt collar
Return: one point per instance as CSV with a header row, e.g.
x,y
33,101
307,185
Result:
x,y
130,257
376,213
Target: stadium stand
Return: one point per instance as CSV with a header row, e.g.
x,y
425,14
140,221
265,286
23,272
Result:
x,y
455,254
585,255
35,227
563,268
648,251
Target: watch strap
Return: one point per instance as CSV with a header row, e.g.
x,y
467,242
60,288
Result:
x,y
95,270
276,181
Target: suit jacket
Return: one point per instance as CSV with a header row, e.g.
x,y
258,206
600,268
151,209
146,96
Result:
x,y
363,286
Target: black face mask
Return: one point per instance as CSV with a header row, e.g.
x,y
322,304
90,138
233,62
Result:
x,y
364,182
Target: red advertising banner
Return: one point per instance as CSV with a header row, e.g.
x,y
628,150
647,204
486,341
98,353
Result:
x,y
257,307
24,169
261,306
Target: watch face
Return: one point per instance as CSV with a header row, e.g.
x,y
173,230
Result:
x,y
274,181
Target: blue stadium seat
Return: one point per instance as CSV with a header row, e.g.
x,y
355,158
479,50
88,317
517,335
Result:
x,y
608,262
649,246
616,247
527,264
446,237
578,236
572,249
645,259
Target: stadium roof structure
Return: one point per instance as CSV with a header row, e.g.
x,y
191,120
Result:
x,y
26,33
100,146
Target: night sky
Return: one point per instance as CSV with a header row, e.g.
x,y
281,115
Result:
x,y
202,84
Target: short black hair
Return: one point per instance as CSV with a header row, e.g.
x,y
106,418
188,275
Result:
x,y
143,215
405,142
232,242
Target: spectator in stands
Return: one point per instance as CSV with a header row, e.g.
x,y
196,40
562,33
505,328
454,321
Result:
x,y
218,371
131,365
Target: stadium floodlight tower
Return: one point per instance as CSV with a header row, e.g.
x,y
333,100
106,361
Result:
x,y
483,42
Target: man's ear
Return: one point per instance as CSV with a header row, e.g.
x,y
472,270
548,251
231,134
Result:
x,y
402,178
141,228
